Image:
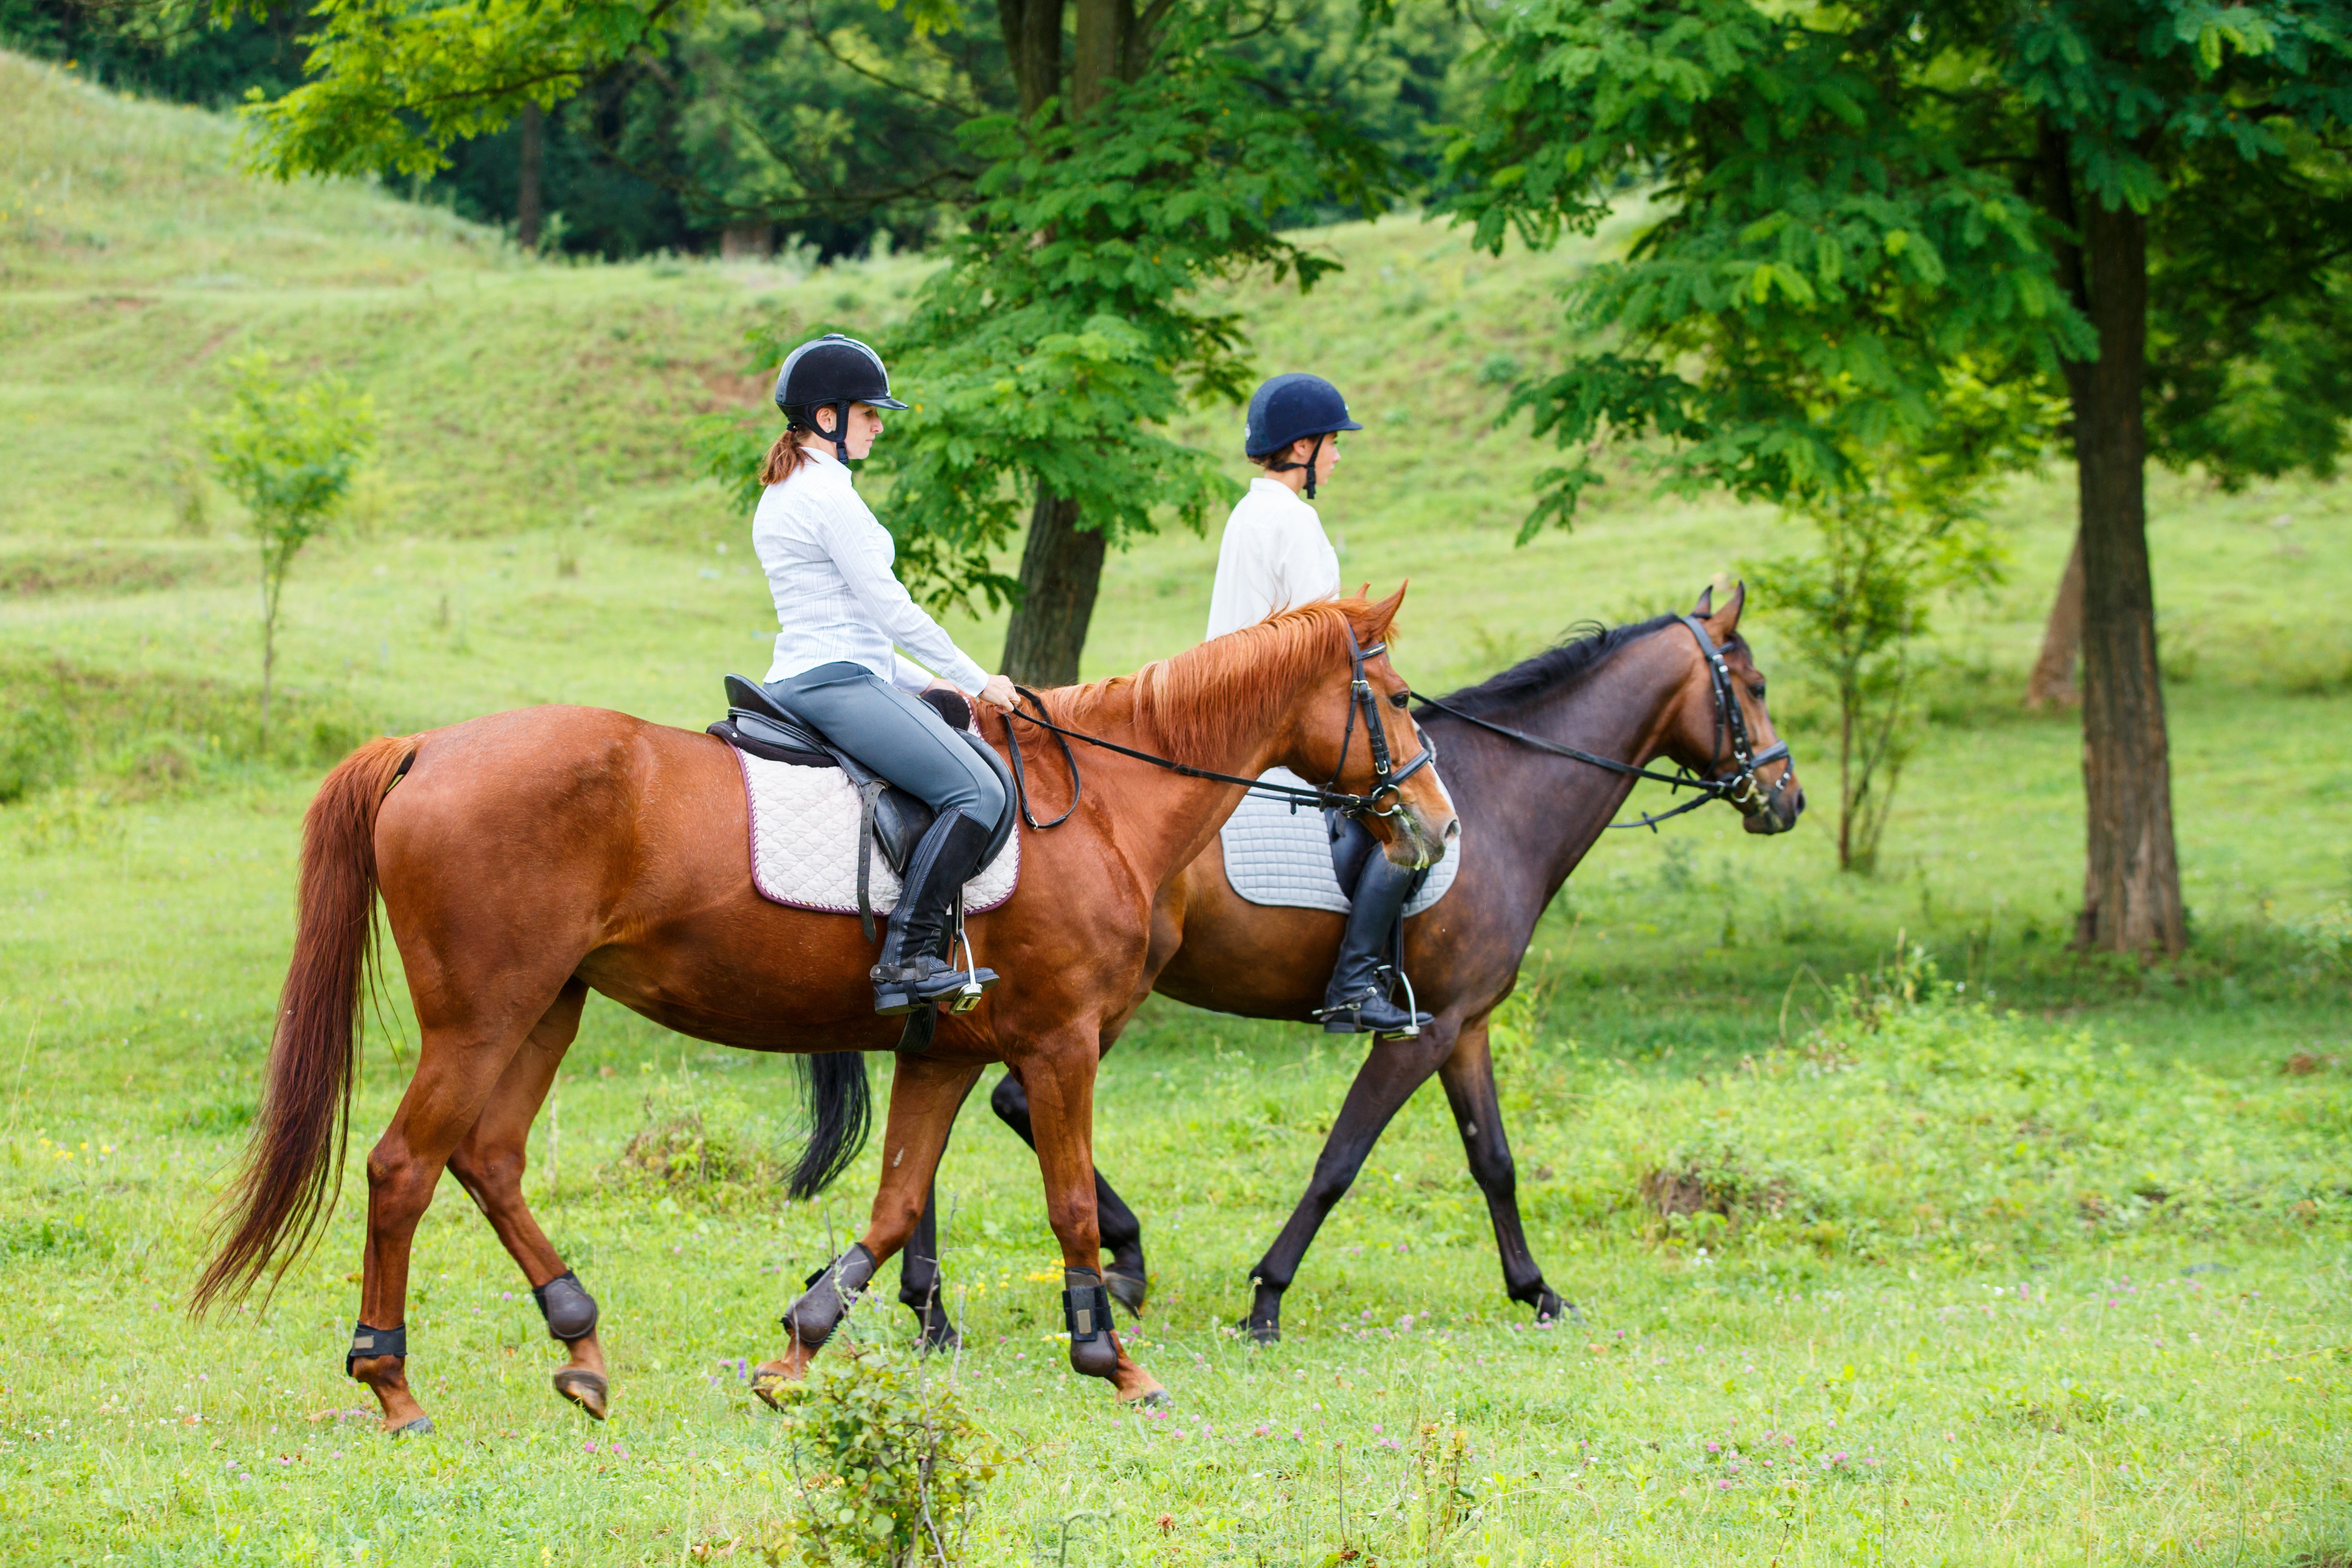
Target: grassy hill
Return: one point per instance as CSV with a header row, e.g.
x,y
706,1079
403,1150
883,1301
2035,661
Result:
x,y
2029,1263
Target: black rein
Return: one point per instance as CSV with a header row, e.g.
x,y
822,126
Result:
x,y
1386,777
1738,787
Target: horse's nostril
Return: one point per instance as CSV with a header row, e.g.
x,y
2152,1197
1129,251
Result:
x,y
1453,830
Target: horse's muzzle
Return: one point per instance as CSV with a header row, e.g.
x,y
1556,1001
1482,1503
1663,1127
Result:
x,y
1418,845
1780,811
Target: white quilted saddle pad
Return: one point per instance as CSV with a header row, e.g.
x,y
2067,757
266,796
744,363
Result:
x,y
804,844
1275,855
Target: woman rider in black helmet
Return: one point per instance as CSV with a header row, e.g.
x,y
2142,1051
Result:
x,y
843,619
1273,555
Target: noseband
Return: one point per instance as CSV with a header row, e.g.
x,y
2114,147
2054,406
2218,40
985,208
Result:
x,y
1386,779
1386,799
1741,787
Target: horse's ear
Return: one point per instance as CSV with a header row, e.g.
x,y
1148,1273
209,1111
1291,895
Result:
x,y
1705,606
1380,616
1725,621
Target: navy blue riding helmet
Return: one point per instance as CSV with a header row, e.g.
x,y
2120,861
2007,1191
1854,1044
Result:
x,y
1289,408
832,371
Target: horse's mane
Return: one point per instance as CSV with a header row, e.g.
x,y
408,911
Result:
x,y
1588,648
1192,703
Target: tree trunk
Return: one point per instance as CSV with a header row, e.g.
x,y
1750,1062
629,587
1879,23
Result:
x,y
1061,568
1098,51
2131,893
527,203
1033,43
2052,680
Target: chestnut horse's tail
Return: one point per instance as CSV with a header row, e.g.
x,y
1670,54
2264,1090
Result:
x,y
294,1162
840,1109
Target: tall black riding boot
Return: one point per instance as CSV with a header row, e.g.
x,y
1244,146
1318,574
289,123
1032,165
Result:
x,y
910,973
1356,1000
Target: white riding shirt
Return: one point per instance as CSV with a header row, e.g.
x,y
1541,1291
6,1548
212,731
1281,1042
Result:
x,y
829,564
1273,556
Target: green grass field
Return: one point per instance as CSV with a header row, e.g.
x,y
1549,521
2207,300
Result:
x,y
2048,1264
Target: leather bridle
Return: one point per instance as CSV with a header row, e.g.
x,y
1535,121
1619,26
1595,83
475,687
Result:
x,y
1386,798
1740,785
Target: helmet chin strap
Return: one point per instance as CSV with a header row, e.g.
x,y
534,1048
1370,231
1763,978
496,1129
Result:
x,y
840,428
1313,458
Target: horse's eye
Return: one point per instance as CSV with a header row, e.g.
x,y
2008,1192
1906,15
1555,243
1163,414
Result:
x,y
1757,691
1400,699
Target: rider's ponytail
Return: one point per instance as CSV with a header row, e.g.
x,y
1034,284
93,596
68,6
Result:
x,y
785,458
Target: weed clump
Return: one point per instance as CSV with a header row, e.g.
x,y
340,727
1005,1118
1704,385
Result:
x,y
887,1465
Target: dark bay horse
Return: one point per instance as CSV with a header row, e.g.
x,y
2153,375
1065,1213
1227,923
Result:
x,y
526,858
1636,693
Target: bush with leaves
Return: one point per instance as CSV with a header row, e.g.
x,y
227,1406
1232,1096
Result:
x,y
1855,606
888,1465
289,452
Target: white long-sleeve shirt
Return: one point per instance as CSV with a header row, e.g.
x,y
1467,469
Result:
x,y
828,561
1273,556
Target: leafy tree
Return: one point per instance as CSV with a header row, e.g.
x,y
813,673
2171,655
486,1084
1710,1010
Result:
x,y
288,453
1066,326
1857,604
2143,205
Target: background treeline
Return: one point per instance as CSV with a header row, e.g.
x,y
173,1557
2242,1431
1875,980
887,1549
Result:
x,y
828,122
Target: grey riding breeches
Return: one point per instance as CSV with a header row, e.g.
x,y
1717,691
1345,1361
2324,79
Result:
x,y
897,736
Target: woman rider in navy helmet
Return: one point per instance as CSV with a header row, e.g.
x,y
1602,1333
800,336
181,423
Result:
x,y
1273,555
843,619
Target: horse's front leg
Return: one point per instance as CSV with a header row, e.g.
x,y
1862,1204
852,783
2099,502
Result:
x,y
1059,1073
1468,1075
925,1094
1122,1233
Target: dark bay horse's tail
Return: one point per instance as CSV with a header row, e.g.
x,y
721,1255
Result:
x,y
295,1161
840,1109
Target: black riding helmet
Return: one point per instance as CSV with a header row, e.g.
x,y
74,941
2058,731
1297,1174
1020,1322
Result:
x,y
832,371
1289,408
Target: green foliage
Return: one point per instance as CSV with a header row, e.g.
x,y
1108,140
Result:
x,y
1913,1119
391,86
1855,606
288,453
889,1466
1851,203
1068,328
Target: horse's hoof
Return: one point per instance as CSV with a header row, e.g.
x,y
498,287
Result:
x,y
940,1340
420,1427
1262,1333
1128,1289
584,1389
1151,1399
769,1379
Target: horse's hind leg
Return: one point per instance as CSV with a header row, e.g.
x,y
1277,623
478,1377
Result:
x,y
459,1064
919,1280
925,1095
1469,1078
1122,1233
489,1165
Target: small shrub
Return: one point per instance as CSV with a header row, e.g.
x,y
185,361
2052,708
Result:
x,y
37,745
889,1468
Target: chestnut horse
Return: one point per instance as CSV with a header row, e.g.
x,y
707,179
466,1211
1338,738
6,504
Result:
x,y
528,858
1632,694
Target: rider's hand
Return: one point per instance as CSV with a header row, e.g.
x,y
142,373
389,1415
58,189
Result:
x,y
999,693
